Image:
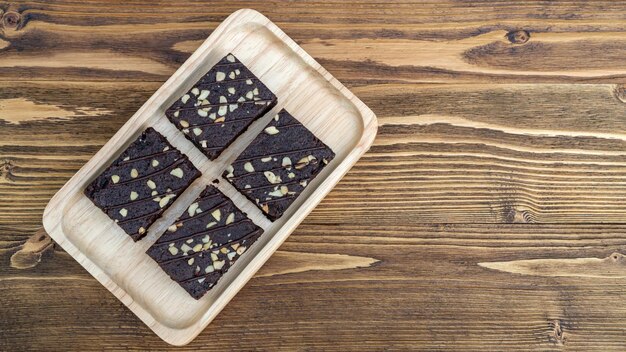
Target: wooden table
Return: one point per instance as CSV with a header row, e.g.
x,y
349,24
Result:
x,y
490,214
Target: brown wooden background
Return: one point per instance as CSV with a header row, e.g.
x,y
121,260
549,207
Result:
x,y
490,214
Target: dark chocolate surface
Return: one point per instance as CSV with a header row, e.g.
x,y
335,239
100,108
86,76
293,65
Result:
x,y
204,242
221,106
142,183
278,165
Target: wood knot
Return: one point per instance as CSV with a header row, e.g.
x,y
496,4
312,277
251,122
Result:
x,y
31,252
6,170
617,257
518,37
557,334
518,216
620,92
11,20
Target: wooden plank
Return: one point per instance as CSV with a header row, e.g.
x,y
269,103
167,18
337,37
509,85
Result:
x,y
358,41
432,284
445,153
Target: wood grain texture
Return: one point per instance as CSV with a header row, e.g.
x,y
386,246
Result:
x,y
498,168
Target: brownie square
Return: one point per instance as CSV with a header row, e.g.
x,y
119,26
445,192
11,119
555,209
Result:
x,y
278,165
142,183
221,106
204,242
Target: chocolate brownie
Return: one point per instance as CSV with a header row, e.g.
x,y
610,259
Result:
x,y
278,164
204,242
221,106
142,183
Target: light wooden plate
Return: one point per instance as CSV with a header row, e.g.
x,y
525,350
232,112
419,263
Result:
x,y
302,86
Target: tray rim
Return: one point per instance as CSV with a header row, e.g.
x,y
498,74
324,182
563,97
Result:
x,y
53,213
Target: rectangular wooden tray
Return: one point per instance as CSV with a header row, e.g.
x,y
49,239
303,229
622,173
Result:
x,y
302,86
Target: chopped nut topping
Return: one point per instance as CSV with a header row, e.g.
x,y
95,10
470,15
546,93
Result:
x,y
230,58
219,76
203,95
217,214
190,261
197,248
178,172
230,219
155,163
123,212
185,248
163,202
304,161
197,131
173,250
211,224
172,228
115,178
271,177
185,98
275,193
271,130
192,209
218,264
133,195
151,184
248,167
134,173
230,171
